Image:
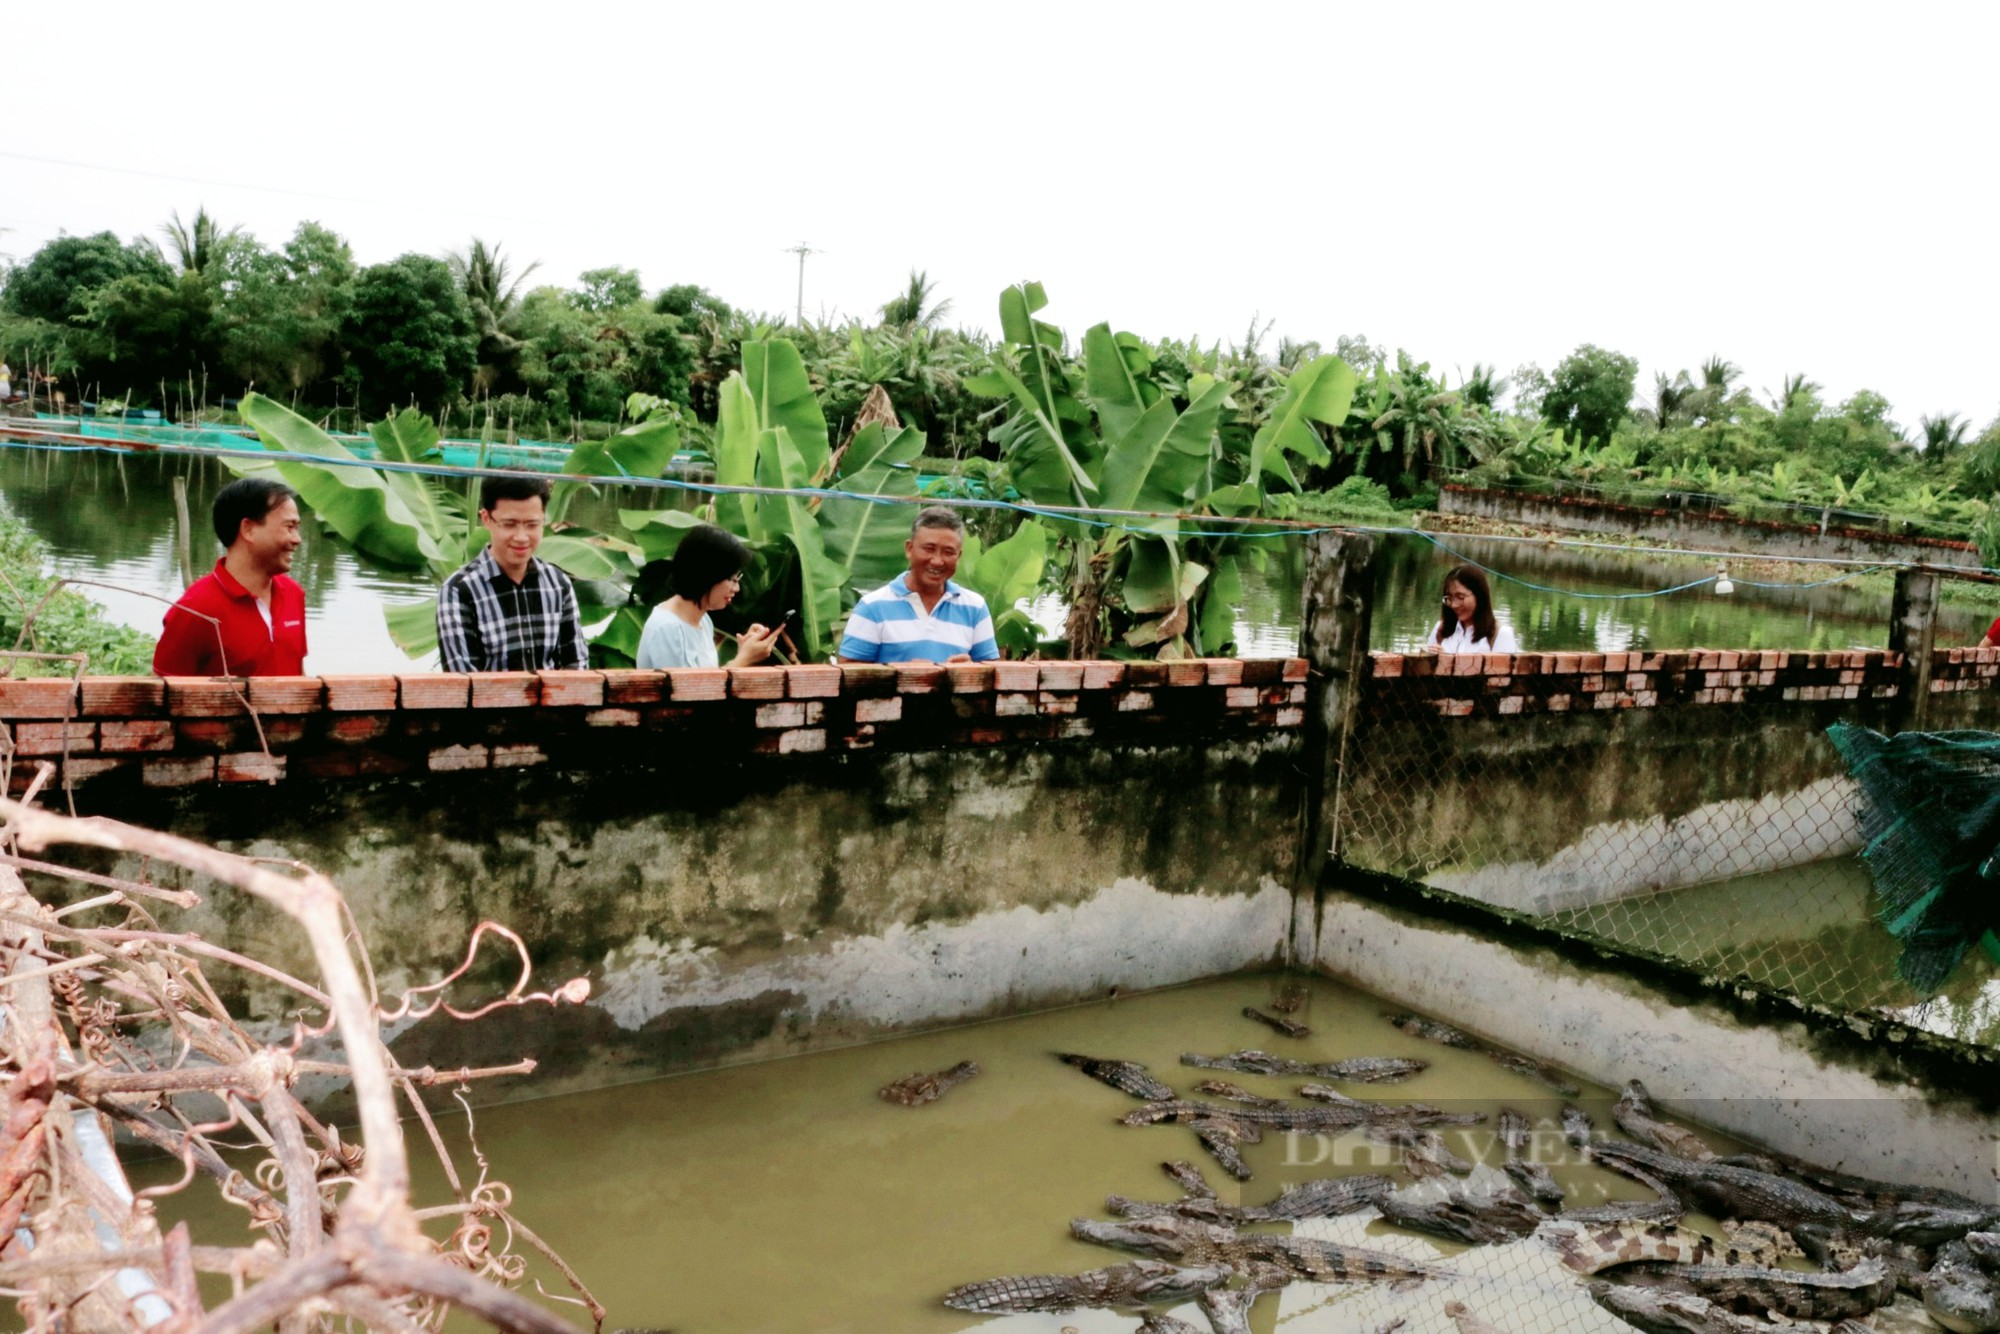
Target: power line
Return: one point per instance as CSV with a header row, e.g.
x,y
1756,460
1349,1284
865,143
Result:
x,y
190,180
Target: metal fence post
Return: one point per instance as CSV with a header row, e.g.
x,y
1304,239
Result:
x,y
1913,633
1333,639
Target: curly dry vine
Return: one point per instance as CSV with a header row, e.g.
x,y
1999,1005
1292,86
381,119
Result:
x,y
104,1011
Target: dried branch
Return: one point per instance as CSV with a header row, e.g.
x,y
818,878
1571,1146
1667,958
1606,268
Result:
x,y
342,1236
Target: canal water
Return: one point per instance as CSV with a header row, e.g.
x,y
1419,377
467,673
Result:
x,y
788,1196
110,518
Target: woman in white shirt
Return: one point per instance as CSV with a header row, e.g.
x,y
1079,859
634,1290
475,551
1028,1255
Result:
x,y
707,574
1467,624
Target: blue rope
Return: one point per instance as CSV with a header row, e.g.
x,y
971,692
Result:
x,y
1054,515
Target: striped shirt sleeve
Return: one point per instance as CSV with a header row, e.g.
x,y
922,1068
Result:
x,y
863,640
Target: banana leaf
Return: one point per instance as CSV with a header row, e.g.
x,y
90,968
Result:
x,y
864,539
1322,390
736,439
1163,460
658,532
413,625
1007,571
352,499
784,399
1219,600
583,559
412,437
641,450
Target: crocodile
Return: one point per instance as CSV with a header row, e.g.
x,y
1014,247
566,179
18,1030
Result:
x,y
1273,1118
1188,1241
1407,1113
1430,1030
1529,1068
1291,1028
1125,1076
1515,1131
1423,1152
1141,1283
1592,1250
1485,1207
1665,1311
919,1089
1727,1192
1228,1309
1188,1177
1959,1290
1577,1128
1222,1138
1634,1115
1222,1088
1666,1209
1468,1323
1790,1292
1328,1197
1535,1179
1864,1192
1831,1248
1358,1070
1155,1323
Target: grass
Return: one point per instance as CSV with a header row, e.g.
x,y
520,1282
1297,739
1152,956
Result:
x,y
65,623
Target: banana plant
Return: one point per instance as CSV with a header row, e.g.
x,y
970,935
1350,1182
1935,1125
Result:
x,y
1115,437
415,521
811,553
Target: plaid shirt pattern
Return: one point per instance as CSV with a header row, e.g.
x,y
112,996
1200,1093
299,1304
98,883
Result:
x,y
488,623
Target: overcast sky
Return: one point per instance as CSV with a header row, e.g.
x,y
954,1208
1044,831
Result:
x,y
1802,187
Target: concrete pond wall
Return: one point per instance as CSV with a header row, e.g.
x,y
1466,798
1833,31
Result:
x,y
1703,529
763,863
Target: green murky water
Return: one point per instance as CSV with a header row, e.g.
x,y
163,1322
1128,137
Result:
x,y
788,1196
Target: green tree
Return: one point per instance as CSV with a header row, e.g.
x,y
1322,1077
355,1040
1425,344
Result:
x,y
56,282
283,318
913,307
1590,392
1944,434
602,290
200,246
409,334
493,296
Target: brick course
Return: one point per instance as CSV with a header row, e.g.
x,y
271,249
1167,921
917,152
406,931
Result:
x,y
200,730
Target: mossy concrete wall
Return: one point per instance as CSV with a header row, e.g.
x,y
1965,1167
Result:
x,y
1857,1097
726,910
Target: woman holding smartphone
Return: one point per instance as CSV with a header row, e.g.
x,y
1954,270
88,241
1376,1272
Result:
x,y
1467,623
707,573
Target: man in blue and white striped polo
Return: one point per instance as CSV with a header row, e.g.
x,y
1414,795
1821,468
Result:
x,y
921,615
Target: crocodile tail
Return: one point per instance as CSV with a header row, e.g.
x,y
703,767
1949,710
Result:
x,y
1030,1292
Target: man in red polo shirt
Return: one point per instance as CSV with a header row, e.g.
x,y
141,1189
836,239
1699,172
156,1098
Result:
x,y
246,617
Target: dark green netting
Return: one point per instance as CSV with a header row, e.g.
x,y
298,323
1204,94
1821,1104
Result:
x,y
1930,816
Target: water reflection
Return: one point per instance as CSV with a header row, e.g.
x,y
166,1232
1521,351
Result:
x,y
111,517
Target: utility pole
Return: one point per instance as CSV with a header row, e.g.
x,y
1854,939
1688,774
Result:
x,y
801,250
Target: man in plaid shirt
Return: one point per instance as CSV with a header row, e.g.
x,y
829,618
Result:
x,y
507,611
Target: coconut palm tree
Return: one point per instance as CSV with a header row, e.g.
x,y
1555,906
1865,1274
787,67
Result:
x,y
1944,434
1672,400
195,247
1483,386
493,290
912,308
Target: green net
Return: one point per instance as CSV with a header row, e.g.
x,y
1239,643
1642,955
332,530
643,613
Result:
x,y
1930,815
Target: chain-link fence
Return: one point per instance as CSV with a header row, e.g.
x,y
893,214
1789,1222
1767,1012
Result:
x,y
1683,802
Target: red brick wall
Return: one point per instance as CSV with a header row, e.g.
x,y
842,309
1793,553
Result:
x,y
1493,685
178,731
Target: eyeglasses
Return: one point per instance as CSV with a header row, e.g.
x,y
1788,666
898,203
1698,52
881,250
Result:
x,y
736,579
513,526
